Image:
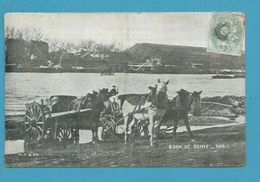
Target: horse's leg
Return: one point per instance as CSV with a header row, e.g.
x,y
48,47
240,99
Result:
x,y
157,125
145,129
96,132
76,132
92,125
176,121
102,132
99,133
151,128
94,129
93,135
186,121
126,127
160,121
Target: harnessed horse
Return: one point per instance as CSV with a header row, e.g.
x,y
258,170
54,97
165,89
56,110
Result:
x,y
179,108
97,106
96,101
154,103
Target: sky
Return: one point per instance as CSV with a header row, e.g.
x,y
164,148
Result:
x,y
127,29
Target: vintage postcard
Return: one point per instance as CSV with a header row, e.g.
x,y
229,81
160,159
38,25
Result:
x,y
125,89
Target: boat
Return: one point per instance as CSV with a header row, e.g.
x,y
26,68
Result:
x,y
223,76
228,76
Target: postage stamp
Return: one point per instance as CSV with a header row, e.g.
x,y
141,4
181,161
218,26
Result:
x,y
226,33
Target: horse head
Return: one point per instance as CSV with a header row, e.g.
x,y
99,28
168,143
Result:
x,y
190,101
195,103
158,96
195,96
152,93
103,94
162,86
184,100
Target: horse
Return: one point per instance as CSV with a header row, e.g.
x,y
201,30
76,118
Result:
x,y
98,101
180,106
134,105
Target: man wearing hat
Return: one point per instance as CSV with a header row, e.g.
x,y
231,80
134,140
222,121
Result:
x,y
113,91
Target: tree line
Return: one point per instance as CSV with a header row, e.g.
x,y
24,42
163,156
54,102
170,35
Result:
x,y
84,45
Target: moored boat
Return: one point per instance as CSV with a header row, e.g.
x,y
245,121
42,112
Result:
x,y
223,76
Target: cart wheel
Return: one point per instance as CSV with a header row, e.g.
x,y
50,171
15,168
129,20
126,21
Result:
x,y
136,130
164,132
140,129
34,125
108,133
64,134
108,127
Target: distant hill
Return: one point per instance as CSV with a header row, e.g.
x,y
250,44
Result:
x,y
185,55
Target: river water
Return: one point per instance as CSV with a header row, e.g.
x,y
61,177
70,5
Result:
x,y
21,88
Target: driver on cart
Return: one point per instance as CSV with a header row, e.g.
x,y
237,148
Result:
x,y
113,91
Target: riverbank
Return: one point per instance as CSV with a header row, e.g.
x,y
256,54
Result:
x,y
98,70
212,147
219,141
227,106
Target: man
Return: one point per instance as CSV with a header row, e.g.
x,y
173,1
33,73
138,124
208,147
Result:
x,y
113,91
113,97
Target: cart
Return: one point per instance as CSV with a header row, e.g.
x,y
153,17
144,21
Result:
x,y
52,120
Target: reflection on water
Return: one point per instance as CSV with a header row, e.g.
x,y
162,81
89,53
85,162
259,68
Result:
x,y
24,87
14,146
17,146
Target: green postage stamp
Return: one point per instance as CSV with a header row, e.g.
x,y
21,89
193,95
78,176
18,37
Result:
x,y
226,33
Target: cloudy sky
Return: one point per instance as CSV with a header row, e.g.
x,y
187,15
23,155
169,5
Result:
x,y
190,29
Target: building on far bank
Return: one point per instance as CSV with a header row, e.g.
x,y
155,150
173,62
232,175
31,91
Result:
x,y
19,52
185,59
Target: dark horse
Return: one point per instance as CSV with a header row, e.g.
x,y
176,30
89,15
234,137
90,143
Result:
x,y
97,106
96,102
180,106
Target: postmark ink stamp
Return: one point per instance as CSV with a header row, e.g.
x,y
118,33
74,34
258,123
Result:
x,y
226,33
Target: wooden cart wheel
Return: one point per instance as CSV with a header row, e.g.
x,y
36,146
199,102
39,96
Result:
x,y
165,131
108,132
108,127
34,124
65,134
140,128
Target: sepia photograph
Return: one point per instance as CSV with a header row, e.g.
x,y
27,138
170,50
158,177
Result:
x,y
125,89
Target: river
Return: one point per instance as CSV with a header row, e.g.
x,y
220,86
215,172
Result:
x,y
21,88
